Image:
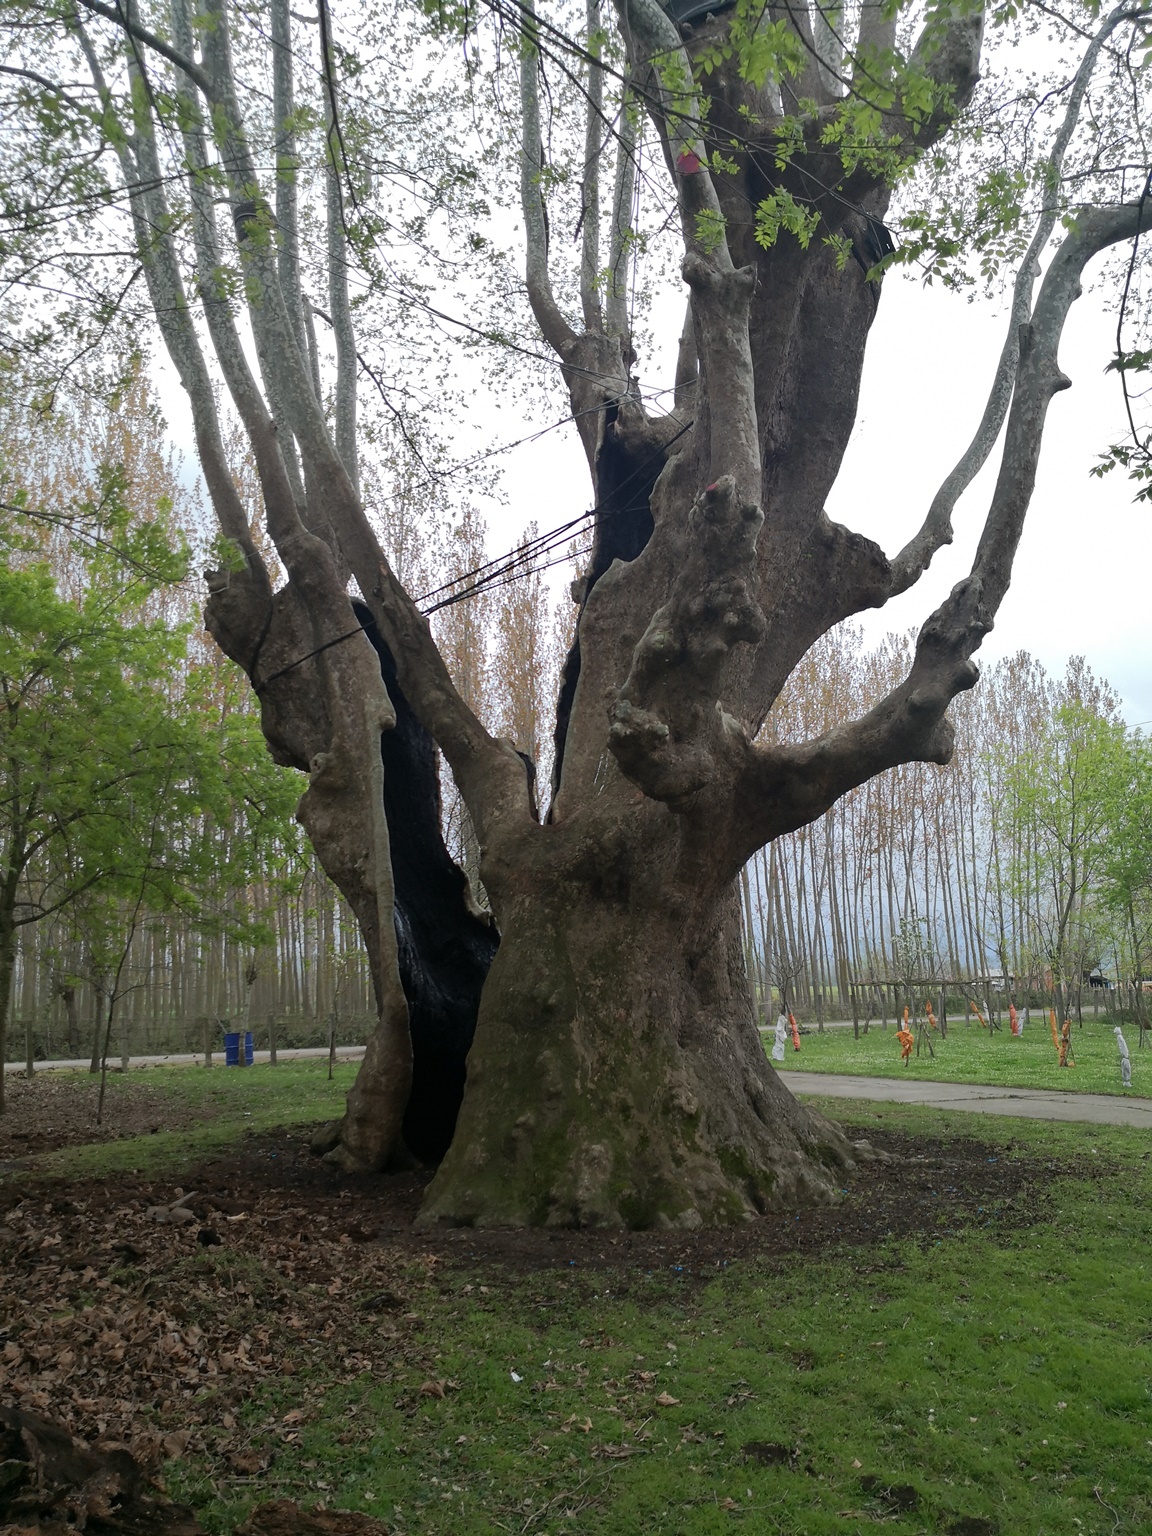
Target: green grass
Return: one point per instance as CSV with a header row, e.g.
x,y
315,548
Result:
x,y
1002,1376
974,1055
233,1101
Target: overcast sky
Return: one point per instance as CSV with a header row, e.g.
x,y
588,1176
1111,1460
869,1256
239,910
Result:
x,y
1083,574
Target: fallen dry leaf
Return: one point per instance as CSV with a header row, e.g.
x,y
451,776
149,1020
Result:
x,y
666,1400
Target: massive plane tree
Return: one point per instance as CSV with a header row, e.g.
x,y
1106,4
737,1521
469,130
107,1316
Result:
x,y
615,1075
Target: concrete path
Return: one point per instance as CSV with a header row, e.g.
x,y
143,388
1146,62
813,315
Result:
x,y
1027,1103
343,1053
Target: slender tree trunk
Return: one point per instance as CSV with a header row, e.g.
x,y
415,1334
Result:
x,y
7,969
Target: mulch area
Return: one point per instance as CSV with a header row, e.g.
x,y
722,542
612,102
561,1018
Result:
x,y
58,1109
125,1315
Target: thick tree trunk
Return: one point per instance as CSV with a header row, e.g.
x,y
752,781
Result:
x,y
617,1077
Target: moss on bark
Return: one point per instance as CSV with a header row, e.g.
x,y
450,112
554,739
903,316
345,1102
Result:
x,y
617,1077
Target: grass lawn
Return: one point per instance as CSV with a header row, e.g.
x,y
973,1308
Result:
x,y
986,1378
974,1055
997,1381
214,1106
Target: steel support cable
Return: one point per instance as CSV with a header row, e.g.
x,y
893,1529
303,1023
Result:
x,y
550,536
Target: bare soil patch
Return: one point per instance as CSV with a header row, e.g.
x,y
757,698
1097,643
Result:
x,y
57,1110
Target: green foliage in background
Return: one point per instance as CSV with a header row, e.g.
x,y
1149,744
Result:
x,y
130,783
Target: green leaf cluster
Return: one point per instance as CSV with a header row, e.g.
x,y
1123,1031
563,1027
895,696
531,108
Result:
x,y
133,777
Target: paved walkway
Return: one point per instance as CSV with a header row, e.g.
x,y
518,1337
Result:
x,y
343,1053
1028,1103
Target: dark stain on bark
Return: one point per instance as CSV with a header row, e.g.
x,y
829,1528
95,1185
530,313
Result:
x,y
445,949
625,479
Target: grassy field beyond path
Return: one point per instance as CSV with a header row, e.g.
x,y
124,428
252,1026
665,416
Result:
x,y
971,1054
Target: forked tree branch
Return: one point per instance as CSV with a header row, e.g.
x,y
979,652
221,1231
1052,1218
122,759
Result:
x,y
812,84
490,777
780,788
936,530
152,230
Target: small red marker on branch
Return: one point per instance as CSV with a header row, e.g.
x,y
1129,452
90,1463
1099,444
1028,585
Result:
x,y
687,162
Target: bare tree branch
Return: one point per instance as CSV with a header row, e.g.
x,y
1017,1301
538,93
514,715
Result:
x,y
281,497
876,35
687,366
555,328
287,209
590,187
337,255
619,237
152,227
490,777
936,530
780,788
121,17
828,45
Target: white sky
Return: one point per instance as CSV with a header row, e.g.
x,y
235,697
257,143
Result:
x,y
1083,574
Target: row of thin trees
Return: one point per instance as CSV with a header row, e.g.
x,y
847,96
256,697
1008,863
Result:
x,y
992,869
182,988
952,856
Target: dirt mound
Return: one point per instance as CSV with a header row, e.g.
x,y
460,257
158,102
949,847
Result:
x,y
151,1332
284,1517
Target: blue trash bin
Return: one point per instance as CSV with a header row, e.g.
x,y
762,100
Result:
x,y
232,1056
